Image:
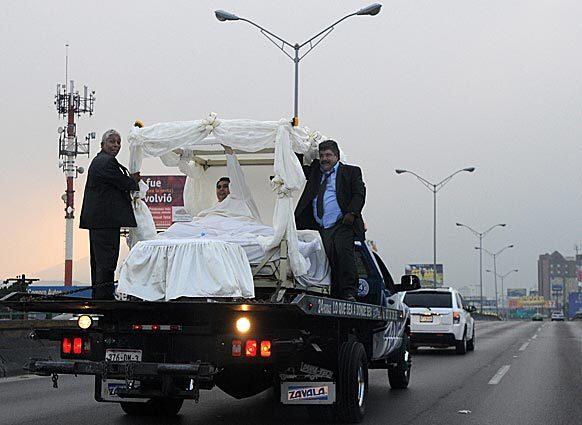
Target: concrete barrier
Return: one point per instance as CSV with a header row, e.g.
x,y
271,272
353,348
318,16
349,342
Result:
x,y
485,316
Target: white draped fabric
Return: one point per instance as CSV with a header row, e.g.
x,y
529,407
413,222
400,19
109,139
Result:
x,y
160,140
163,270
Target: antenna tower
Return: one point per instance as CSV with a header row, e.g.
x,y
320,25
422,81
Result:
x,y
70,103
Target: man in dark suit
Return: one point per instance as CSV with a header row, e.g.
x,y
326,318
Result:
x,y
332,203
107,208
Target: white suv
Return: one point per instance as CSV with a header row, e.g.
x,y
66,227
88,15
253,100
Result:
x,y
440,318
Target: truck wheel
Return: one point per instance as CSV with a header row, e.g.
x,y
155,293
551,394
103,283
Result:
x,y
153,407
471,342
399,375
352,382
461,346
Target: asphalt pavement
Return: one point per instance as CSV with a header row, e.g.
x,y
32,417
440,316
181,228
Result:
x,y
519,373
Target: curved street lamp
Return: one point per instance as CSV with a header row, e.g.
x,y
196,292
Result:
x,y
494,255
224,16
503,276
434,188
481,235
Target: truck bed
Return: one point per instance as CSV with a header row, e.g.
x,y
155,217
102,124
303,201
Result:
x,y
301,304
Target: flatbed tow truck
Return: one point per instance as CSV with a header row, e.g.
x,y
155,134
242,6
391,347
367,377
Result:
x,y
312,349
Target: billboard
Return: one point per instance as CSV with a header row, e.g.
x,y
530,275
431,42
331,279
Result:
x,y
516,292
54,290
574,303
425,273
165,199
528,302
556,284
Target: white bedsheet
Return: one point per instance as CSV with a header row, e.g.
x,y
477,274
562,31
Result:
x,y
246,233
167,269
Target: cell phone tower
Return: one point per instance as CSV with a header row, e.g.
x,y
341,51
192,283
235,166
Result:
x,y
70,103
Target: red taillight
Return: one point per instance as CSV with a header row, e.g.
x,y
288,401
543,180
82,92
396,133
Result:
x,y
456,317
265,348
251,348
67,345
77,345
136,327
155,327
236,347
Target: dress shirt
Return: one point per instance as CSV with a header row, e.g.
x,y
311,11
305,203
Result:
x,y
331,209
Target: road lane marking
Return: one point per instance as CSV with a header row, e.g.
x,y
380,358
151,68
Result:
x,y
524,346
499,375
535,336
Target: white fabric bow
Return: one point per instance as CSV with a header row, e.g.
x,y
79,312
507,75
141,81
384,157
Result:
x,y
210,123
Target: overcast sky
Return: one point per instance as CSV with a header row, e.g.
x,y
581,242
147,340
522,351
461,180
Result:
x,y
431,86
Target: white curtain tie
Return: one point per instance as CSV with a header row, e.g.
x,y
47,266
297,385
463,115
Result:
x,y
279,187
210,123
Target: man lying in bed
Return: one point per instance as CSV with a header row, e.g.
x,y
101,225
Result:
x,y
233,194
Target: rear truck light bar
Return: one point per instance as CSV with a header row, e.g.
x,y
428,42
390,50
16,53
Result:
x,y
156,327
456,317
252,348
75,345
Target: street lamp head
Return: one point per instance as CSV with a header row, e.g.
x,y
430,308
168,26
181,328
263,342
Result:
x,y
515,270
489,271
510,246
459,224
400,171
222,16
502,224
469,169
371,10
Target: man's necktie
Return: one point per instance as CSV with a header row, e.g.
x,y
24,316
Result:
x,y
320,194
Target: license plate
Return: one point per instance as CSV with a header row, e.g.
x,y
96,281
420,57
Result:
x,y
426,318
112,355
110,390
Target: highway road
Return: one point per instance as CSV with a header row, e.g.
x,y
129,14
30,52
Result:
x,y
520,373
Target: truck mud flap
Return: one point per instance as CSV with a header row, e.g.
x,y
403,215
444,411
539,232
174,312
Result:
x,y
307,392
121,370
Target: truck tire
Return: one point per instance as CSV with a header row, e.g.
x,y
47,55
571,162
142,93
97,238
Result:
x,y
461,346
471,342
154,407
399,375
352,382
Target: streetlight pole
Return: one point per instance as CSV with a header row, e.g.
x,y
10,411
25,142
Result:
x,y
502,277
481,235
494,255
223,16
434,188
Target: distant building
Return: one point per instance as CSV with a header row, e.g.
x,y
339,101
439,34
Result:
x,y
558,276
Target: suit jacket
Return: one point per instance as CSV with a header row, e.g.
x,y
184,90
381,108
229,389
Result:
x,y
106,201
350,192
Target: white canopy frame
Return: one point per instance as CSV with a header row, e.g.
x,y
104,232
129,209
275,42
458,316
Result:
x,y
174,141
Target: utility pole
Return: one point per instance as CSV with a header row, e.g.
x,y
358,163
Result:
x,y
70,103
